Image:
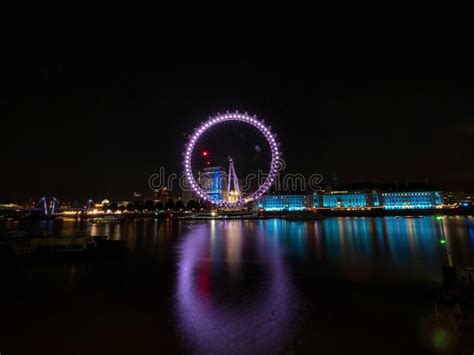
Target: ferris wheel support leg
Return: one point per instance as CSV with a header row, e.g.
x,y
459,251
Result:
x,y
232,176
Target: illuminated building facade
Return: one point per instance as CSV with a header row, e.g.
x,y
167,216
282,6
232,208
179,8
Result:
x,y
160,195
361,196
213,181
283,202
341,199
376,199
411,200
369,199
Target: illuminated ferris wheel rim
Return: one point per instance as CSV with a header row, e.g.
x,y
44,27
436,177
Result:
x,y
229,117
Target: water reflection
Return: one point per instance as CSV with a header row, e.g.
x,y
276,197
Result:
x,y
408,245
234,293
397,244
240,285
231,300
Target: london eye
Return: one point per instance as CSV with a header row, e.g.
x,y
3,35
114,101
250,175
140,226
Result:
x,y
231,159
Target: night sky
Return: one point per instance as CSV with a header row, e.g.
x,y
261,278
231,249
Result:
x,y
93,101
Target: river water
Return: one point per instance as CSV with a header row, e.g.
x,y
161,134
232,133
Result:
x,y
340,285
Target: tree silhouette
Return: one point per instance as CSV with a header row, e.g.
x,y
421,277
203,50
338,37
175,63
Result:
x,y
113,207
179,205
149,206
192,205
139,206
159,206
130,207
170,204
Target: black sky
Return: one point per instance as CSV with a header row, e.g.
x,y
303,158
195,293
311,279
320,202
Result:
x,y
95,100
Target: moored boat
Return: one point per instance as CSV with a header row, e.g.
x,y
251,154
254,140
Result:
x,y
64,244
41,245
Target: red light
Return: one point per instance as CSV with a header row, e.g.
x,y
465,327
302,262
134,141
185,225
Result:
x,y
205,153
208,163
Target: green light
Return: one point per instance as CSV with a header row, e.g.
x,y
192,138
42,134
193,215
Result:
x,y
442,241
439,218
441,339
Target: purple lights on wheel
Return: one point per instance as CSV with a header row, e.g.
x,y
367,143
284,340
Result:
x,y
219,119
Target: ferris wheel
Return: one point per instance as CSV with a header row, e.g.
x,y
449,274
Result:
x,y
231,159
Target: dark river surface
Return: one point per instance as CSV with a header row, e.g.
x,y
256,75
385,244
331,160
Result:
x,y
341,285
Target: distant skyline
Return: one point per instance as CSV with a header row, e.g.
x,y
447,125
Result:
x,y
92,104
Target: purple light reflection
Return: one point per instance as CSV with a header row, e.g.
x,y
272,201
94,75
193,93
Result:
x,y
267,321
